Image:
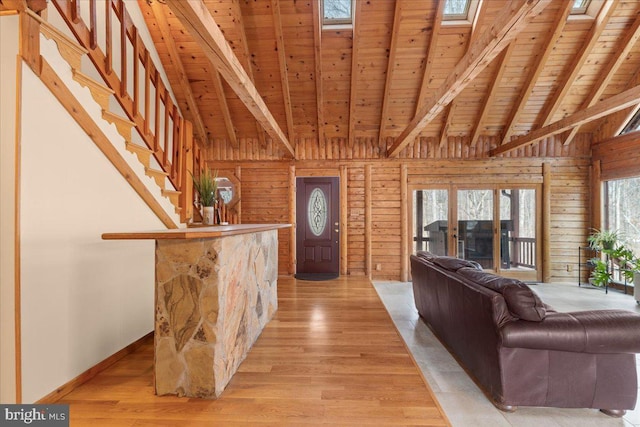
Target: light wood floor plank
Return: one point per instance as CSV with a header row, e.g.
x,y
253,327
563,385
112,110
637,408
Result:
x,y
331,356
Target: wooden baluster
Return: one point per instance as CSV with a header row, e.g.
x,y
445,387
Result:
x,y
157,116
123,48
136,52
167,151
176,162
108,58
93,31
75,11
147,92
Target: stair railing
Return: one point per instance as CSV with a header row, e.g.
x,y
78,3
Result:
x,y
127,68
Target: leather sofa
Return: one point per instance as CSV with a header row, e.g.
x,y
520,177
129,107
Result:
x,y
519,350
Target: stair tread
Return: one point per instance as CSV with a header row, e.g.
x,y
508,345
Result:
x,y
171,192
91,81
156,171
138,147
117,117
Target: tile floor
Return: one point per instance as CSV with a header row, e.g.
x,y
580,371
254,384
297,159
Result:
x,y
460,398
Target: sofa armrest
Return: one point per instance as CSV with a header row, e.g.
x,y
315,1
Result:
x,y
597,331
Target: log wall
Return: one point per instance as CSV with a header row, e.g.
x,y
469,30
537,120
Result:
x,y
378,240
619,157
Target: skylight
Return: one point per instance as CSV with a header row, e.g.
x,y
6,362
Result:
x,y
580,7
456,10
459,12
337,12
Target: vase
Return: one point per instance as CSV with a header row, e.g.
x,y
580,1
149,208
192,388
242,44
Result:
x,y
207,215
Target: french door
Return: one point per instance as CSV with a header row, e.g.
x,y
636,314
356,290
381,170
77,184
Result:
x,y
497,226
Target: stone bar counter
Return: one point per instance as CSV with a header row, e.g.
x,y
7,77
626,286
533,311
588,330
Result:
x,y
216,289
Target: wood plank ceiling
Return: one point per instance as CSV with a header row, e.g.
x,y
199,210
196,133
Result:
x,y
401,72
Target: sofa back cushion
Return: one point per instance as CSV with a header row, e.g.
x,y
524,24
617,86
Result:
x,y
454,264
521,300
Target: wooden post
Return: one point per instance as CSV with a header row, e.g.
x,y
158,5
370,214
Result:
x,y
404,224
30,42
239,191
292,219
367,220
596,194
187,180
344,200
546,222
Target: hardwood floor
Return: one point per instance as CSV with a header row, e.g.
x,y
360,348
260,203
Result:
x,y
330,356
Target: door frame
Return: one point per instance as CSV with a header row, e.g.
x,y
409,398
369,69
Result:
x,y
341,174
452,244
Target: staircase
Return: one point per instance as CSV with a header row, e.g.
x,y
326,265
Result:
x,y
158,173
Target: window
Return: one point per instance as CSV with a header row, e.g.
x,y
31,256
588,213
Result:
x,y
459,11
633,124
622,210
580,7
337,12
495,227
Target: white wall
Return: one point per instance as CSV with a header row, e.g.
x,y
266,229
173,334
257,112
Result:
x,y
83,298
8,52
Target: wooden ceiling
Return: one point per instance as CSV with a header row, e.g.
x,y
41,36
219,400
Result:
x,y
269,70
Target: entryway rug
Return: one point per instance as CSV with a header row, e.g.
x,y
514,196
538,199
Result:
x,y
316,277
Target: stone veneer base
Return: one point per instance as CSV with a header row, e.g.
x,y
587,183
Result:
x,y
214,296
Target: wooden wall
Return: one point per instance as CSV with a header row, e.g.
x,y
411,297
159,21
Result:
x,y
377,240
619,157
372,148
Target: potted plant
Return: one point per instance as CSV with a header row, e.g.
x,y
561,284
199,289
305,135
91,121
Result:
x,y
603,240
600,276
207,188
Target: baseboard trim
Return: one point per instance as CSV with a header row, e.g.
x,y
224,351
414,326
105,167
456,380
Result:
x,y
67,388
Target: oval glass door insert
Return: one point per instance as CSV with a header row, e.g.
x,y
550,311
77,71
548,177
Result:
x,y
317,211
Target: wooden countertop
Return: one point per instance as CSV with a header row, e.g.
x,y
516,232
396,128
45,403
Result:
x,y
195,233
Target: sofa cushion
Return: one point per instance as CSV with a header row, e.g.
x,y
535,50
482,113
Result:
x,y
426,255
521,300
454,264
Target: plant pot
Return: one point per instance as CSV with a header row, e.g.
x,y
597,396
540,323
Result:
x,y
207,215
636,286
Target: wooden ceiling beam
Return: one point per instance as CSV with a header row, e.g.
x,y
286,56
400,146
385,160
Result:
x,y
218,87
353,100
514,18
565,85
192,112
195,17
623,100
430,57
536,70
450,109
491,94
620,55
246,55
282,60
317,54
389,75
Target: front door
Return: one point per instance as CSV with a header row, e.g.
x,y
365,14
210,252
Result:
x,y
318,226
